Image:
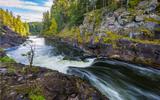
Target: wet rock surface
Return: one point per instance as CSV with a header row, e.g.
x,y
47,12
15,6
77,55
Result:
x,y
19,84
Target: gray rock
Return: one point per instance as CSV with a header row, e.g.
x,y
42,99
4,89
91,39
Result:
x,y
132,25
150,25
125,18
139,18
157,31
143,4
20,79
152,6
3,70
154,16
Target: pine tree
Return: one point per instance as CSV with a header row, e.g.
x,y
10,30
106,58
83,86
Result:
x,y
14,23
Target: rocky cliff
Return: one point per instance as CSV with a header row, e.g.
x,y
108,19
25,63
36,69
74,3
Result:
x,y
131,34
141,22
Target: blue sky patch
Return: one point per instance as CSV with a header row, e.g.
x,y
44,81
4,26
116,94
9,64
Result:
x,y
29,10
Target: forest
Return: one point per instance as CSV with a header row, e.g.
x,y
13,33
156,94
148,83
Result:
x,y
15,23
69,18
71,13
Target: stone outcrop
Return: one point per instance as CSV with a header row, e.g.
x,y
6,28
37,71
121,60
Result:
x,y
131,22
8,38
18,84
141,22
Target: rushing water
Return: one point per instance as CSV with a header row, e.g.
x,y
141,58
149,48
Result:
x,y
115,79
45,56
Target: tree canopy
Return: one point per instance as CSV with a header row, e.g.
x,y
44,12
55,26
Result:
x,y
14,23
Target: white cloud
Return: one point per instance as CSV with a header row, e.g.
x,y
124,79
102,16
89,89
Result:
x,y
49,3
30,17
36,10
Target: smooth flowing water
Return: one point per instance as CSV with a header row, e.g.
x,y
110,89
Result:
x,y
115,79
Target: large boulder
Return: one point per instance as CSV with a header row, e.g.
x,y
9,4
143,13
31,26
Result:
x,y
125,18
152,6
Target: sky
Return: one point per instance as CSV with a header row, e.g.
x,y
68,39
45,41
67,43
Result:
x,y
29,10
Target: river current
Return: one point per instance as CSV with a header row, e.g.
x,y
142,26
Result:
x,y
116,79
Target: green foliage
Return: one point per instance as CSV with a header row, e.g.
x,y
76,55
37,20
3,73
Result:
x,y
35,27
53,26
15,23
6,59
33,90
36,94
50,26
95,16
66,15
133,3
72,12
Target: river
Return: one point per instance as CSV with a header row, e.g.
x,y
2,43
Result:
x,y
116,79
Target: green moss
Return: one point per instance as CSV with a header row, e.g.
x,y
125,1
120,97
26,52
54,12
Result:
x,y
112,38
133,3
146,32
6,59
152,20
155,41
94,16
11,70
33,69
33,90
37,97
1,50
36,94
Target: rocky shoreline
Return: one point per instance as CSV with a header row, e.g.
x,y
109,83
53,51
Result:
x,y
21,82
18,84
133,52
9,38
125,34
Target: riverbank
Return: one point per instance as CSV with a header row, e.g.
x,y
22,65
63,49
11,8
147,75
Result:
x,y
18,82
124,50
21,82
128,33
9,38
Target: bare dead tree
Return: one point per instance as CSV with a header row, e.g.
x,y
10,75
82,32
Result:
x,y
31,53
30,57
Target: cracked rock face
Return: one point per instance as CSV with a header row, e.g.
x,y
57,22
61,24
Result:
x,y
126,22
